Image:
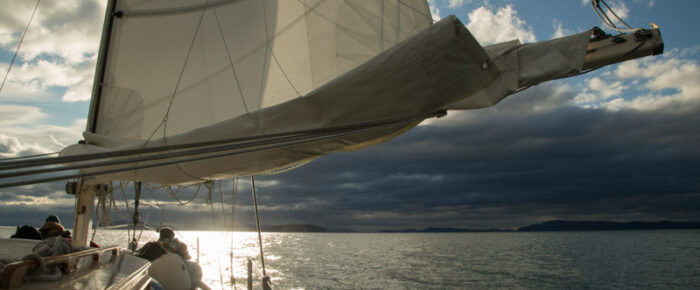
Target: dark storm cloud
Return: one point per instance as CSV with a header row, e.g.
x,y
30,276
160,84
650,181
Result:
x,y
509,165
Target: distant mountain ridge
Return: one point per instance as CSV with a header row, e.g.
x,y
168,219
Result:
x,y
561,225
295,228
445,230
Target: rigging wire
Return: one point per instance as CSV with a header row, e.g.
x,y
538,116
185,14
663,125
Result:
x,y
213,221
27,157
234,184
19,45
126,203
136,216
606,19
191,159
259,140
257,222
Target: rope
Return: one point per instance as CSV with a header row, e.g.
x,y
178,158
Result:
x,y
234,184
606,19
283,170
19,45
136,216
126,203
234,143
182,72
168,189
213,222
26,157
290,142
257,222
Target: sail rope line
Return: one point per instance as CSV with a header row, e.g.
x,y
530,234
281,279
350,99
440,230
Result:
x,y
179,79
257,223
230,61
606,19
151,190
27,156
168,190
428,16
223,228
213,222
233,143
177,86
285,169
136,215
264,65
102,207
381,28
234,185
126,203
290,142
19,44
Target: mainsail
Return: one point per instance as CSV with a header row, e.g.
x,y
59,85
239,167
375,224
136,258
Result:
x,y
179,72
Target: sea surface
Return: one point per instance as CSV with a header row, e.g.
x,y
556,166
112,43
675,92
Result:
x,y
660,259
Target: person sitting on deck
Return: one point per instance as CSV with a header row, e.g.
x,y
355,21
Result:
x,y
167,243
52,227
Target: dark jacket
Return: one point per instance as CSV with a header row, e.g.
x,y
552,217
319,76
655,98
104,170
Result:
x,y
153,250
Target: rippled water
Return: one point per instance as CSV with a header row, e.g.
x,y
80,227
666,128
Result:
x,y
609,259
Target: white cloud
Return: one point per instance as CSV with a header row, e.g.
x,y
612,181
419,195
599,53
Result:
x,y
31,138
12,147
620,8
59,49
453,4
57,199
434,10
559,30
17,114
499,26
661,83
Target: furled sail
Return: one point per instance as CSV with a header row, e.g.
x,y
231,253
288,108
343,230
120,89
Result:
x,y
179,72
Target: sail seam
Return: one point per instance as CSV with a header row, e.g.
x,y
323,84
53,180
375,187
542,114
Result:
x,y
179,79
230,61
177,10
283,73
414,9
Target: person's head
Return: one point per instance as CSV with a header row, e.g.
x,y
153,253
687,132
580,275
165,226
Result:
x,y
53,218
167,233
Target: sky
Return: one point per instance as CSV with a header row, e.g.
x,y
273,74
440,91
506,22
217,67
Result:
x,y
617,144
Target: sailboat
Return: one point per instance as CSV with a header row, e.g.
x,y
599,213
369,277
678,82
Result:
x,y
192,91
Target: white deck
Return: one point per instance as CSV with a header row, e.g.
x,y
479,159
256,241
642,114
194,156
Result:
x,y
123,271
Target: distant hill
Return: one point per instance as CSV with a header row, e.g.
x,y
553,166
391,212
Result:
x,y
295,228
560,225
445,230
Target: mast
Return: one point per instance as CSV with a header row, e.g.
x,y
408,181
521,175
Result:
x,y
85,194
100,68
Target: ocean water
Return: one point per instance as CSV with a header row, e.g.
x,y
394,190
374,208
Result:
x,y
665,259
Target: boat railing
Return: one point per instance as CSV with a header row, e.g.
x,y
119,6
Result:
x,y
13,273
266,282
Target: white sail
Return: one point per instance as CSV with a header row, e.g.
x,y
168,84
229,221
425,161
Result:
x,y
176,66
179,72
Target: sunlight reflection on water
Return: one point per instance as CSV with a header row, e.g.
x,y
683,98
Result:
x,y
215,250
629,259
666,259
